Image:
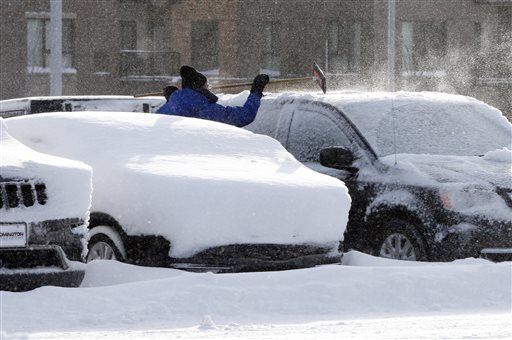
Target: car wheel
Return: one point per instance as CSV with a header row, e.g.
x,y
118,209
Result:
x,y
399,241
105,244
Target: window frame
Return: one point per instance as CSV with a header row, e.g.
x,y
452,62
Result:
x,y
358,141
270,52
44,51
313,140
415,63
346,55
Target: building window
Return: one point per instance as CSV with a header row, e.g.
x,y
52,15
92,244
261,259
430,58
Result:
x,y
128,35
39,42
271,62
344,47
423,48
478,34
205,45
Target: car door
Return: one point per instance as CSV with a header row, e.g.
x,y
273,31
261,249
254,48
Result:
x,y
312,128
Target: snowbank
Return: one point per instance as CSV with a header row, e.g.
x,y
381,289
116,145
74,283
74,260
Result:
x,y
120,297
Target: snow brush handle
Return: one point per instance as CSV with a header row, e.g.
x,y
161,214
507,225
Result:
x,y
227,86
272,81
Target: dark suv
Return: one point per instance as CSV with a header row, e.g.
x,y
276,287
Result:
x,y
44,208
429,174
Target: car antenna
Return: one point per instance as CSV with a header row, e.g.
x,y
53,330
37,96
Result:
x,y
394,126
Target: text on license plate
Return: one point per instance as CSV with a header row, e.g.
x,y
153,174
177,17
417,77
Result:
x,y
13,235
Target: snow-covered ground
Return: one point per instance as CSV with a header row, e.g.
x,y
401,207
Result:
x,y
365,298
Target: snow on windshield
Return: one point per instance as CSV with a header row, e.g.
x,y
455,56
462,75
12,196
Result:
x,y
198,183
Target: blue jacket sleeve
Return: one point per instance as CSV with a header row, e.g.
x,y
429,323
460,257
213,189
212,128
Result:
x,y
164,109
235,115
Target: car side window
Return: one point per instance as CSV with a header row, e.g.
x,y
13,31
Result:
x,y
266,120
311,132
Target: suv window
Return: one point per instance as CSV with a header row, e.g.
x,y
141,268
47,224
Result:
x,y
266,121
306,146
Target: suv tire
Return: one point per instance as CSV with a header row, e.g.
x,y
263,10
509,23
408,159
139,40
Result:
x,y
105,244
399,240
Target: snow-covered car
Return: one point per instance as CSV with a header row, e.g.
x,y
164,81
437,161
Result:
x,y
44,209
429,174
30,105
194,194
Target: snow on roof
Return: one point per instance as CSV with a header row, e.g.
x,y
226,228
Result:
x,y
198,183
85,103
426,122
419,122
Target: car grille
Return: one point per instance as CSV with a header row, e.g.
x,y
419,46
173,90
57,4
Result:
x,y
506,194
14,194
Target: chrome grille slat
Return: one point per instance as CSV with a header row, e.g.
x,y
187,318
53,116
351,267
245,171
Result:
x,y
13,199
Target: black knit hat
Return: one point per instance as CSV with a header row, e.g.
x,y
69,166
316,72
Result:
x,y
190,78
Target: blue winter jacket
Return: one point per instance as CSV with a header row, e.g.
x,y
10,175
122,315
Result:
x,y
189,103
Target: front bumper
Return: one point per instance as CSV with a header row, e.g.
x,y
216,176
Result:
x,y
27,268
496,254
67,233
153,251
476,237
258,257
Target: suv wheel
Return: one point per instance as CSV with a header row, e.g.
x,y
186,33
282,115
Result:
x,y
105,244
399,241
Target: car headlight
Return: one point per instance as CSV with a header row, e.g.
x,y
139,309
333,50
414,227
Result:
x,y
467,200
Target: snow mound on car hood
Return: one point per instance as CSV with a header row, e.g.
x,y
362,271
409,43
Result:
x,y
68,182
198,183
483,172
503,155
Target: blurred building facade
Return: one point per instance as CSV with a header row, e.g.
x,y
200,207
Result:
x,y
137,46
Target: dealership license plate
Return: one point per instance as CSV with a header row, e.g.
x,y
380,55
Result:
x,y
13,235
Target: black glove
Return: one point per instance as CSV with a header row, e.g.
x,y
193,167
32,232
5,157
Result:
x,y
168,90
259,83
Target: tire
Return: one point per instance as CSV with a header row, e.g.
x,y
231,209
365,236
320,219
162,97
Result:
x,y
105,244
400,241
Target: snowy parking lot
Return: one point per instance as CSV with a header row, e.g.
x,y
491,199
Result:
x,y
366,297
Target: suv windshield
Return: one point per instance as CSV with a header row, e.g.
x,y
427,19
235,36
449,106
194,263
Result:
x,y
430,126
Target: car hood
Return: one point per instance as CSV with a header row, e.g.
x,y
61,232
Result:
x,y
488,171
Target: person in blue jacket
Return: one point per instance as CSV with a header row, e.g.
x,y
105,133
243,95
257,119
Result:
x,y
195,100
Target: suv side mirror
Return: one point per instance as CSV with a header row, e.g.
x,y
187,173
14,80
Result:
x,y
337,158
